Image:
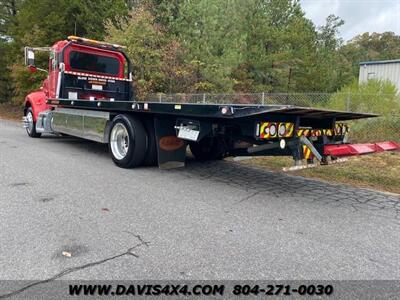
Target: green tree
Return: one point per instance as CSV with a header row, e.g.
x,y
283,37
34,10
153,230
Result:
x,y
60,18
8,13
375,46
330,69
5,88
279,44
157,57
211,31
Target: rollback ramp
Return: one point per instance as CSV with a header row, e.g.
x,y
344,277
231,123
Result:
x,y
359,149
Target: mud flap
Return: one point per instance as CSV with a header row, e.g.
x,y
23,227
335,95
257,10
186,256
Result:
x,y
171,150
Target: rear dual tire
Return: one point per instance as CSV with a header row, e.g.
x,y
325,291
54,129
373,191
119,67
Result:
x,y
132,142
127,141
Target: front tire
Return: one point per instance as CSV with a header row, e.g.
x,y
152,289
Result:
x,y
127,141
31,126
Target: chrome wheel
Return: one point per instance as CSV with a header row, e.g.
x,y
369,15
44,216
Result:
x,y
29,119
119,141
127,141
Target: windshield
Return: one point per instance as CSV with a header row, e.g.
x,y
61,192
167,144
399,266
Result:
x,y
94,63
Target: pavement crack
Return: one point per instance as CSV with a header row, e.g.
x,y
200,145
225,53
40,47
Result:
x,y
143,242
17,184
128,252
247,197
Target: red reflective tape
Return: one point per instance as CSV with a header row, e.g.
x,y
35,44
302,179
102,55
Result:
x,y
96,76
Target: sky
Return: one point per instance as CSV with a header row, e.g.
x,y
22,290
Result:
x,y
359,15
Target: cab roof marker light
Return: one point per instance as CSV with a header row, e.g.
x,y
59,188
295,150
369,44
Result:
x,y
74,38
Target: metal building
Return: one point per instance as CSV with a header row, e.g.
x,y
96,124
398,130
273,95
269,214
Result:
x,y
381,70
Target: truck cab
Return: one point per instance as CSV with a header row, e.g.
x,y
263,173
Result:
x,y
78,68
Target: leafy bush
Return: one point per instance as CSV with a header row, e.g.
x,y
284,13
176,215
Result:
x,y
375,96
24,82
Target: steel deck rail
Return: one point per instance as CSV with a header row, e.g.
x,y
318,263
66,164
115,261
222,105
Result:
x,y
208,110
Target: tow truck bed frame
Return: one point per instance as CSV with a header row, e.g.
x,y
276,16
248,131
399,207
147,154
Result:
x,y
166,120
211,110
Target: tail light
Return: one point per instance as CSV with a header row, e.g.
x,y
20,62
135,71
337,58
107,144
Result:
x,y
272,130
268,130
282,129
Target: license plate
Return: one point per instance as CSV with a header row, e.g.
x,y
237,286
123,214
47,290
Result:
x,y
188,134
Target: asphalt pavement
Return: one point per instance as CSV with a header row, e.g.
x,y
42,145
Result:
x,y
215,220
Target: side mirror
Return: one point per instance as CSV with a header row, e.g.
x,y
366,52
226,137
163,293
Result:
x,y
32,69
29,56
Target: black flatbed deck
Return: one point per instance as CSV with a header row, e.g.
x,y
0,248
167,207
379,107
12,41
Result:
x,y
207,110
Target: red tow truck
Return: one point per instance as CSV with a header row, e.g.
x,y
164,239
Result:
x,y
89,93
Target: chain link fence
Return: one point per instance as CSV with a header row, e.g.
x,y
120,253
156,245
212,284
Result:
x,y
299,99
387,106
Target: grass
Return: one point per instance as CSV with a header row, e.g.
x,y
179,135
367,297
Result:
x,y
10,111
379,171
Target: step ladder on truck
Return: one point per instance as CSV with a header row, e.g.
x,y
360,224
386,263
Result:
x,y
88,93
